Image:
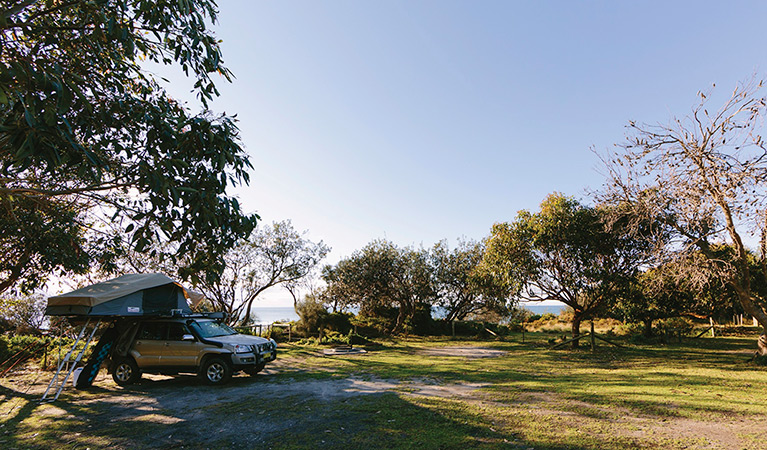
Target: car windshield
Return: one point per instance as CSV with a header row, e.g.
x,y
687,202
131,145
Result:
x,y
210,328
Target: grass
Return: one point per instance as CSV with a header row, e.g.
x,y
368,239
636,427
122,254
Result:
x,y
702,393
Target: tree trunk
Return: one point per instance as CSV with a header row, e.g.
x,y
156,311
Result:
x,y
400,320
758,313
761,348
647,330
576,328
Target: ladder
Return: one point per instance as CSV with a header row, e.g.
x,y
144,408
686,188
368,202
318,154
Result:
x,y
66,361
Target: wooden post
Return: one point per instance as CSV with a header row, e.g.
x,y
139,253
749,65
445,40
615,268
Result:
x,y
452,323
289,335
711,321
593,342
523,334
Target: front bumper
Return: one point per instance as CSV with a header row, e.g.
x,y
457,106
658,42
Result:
x,y
256,358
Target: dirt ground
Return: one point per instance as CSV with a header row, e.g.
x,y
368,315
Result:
x,y
180,412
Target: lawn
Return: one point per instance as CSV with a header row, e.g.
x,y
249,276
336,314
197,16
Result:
x,y
421,393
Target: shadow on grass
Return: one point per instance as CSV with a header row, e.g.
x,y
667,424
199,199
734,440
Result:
x,y
704,376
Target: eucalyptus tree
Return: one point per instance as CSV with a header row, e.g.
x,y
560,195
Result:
x,y
273,256
383,275
461,286
703,178
565,252
87,137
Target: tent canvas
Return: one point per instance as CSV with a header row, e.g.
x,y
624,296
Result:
x,y
128,295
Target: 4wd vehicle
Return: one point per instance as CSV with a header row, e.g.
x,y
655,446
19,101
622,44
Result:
x,y
187,344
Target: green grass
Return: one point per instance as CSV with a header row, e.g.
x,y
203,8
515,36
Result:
x,y
532,397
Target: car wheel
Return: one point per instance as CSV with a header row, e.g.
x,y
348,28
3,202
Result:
x,y
254,370
216,371
125,371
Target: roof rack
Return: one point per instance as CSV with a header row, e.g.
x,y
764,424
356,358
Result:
x,y
207,315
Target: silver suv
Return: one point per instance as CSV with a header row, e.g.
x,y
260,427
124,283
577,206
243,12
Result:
x,y
191,344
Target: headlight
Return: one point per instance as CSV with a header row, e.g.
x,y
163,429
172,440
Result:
x,y
274,343
242,349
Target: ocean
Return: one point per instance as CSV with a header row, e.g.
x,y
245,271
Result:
x,y
268,315
537,308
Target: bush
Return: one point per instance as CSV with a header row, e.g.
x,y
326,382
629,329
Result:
x,y
338,321
373,325
41,350
312,315
276,333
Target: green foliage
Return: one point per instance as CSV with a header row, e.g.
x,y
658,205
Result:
x,y
279,334
676,326
566,252
41,351
461,285
332,337
312,315
23,314
88,138
375,323
421,322
339,321
382,276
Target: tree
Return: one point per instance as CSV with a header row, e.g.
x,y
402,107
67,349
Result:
x,y
703,178
565,252
461,287
656,294
383,275
88,137
24,313
272,256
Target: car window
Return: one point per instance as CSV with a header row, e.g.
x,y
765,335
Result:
x,y
209,328
176,331
153,331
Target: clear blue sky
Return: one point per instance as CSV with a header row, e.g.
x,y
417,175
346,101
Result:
x,y
426,120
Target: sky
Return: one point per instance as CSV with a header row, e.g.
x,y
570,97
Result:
x,y
417,121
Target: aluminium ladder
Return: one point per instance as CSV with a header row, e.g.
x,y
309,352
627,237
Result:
x,y
65,361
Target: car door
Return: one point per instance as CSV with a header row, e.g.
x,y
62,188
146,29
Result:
x,y
149,344
180,353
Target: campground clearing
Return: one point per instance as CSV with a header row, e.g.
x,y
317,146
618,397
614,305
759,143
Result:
x,y
419,393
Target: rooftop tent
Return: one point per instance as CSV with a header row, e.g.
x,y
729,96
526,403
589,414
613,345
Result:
x,y
129,295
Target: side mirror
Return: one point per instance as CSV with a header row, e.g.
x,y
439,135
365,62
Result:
x,y
187,337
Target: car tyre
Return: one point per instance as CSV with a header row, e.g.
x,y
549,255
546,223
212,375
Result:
x,y
216,370
125,371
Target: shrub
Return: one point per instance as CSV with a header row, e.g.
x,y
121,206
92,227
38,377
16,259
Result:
x,y
312,315
339,321
675,326
375,326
